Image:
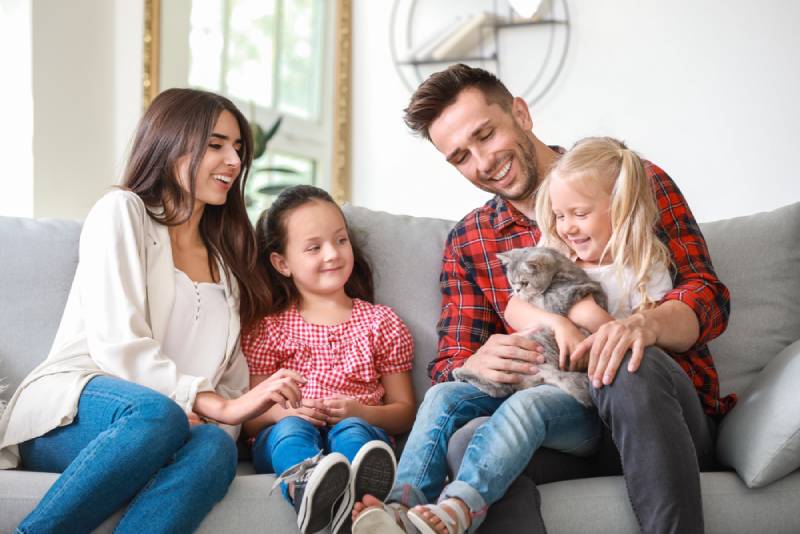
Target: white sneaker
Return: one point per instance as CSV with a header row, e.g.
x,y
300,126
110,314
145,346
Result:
x,y
372,472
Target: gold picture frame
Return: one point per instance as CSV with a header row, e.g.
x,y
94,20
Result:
x,y
340,155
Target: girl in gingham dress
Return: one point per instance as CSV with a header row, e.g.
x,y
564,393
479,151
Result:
x,y
334,446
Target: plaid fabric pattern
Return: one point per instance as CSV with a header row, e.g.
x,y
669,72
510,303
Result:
x,y
347,359
475,291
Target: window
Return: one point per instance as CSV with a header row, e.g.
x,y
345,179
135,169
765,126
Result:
x,y
268,57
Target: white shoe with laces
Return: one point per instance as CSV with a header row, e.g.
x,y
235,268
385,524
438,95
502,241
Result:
x,y
372,472
318,484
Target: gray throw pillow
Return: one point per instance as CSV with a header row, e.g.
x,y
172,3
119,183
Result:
x,y
760,437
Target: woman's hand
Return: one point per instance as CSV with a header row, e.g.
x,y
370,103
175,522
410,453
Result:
x,y
195,419
340,408
568,337
282,388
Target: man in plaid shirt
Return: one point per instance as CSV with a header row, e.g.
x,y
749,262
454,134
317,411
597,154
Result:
x,y
654,381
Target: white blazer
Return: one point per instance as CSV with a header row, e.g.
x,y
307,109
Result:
x,y
115,318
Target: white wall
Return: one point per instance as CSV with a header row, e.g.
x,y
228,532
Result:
x,y
705,89
16,134
708,90
87,66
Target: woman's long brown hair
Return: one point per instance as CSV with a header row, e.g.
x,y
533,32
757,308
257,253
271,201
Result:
x,y
179,122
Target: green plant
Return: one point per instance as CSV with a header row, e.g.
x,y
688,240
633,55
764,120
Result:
x,y
261,139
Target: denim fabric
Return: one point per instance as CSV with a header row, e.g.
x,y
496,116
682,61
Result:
x,y
664,439
128,446
498,451
293,439
662,435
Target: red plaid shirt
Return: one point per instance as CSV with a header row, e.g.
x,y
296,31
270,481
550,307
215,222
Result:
x,y
347,359
475,290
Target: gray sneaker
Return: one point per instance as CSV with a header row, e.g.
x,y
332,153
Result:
x,y
318,484
373,471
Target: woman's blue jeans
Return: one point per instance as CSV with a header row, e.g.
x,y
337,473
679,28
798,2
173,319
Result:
x,y
499,449
293,439
132,447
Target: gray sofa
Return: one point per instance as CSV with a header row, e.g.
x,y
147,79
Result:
x,y
758,357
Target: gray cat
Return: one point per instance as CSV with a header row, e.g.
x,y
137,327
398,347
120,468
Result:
x,y
550,281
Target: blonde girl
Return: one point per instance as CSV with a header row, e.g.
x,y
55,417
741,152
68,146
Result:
x,y
596,205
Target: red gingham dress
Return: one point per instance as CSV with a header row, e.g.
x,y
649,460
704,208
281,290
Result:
x,y
347,359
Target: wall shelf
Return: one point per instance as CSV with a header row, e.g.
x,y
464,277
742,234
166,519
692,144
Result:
x,y
492,44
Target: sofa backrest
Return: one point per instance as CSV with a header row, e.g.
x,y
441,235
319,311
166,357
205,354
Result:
x,y
36,270
406,255
755,256
758,258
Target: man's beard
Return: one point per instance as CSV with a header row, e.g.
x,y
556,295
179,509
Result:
x,y
529,171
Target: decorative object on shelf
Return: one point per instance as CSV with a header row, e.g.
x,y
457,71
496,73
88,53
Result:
x,y
524,42
530,9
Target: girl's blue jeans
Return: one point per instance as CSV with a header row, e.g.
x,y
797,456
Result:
x,y
293,439
132,447
498,451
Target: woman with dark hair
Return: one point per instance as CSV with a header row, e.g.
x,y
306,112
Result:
x,y
141,397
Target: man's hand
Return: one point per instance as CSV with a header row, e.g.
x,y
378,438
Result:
x,y
607,347
504,357
339,408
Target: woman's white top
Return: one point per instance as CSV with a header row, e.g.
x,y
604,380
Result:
x,y
623,297
115,323
198,326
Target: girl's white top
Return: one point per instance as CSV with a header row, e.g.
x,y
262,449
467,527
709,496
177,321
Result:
x,y
622,295
198,326
115,323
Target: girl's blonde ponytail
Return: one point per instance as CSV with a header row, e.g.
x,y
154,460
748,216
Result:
x,y
609,164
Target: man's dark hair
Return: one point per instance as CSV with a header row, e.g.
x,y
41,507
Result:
x,y
442,88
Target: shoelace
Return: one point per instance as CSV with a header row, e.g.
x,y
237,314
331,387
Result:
x,y
297,472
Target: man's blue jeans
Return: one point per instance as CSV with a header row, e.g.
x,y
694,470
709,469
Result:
x,y
129,446
293,439
498,451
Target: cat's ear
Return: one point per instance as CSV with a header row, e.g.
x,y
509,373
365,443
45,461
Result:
x,y
504,257
542,261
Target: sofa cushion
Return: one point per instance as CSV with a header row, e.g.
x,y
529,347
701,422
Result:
x,y
757,257
406,255
39,260
760,437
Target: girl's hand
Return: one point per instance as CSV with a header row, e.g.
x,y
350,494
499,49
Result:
x,y
313,411
340,408
568,337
